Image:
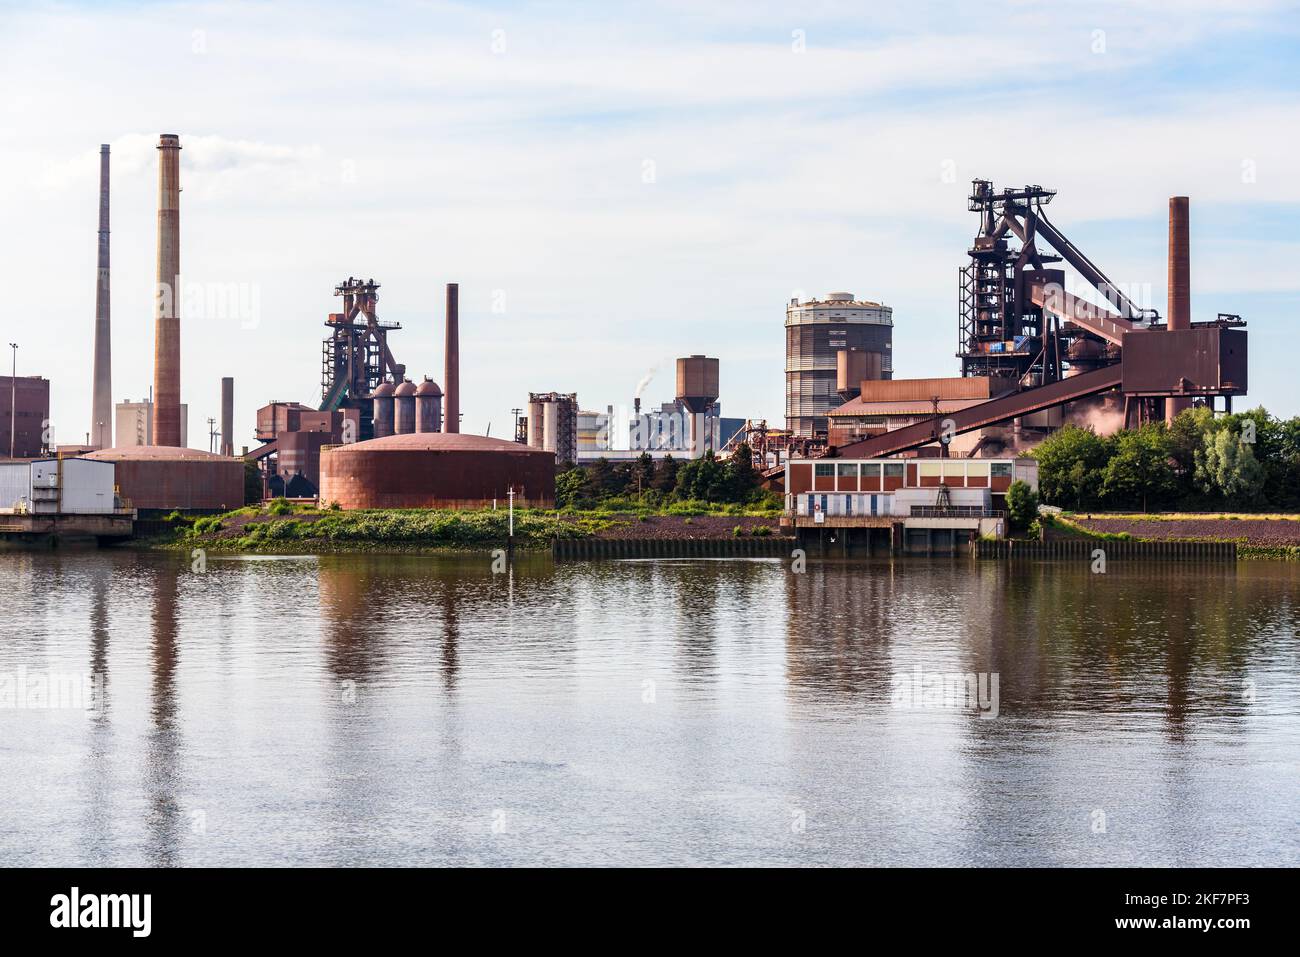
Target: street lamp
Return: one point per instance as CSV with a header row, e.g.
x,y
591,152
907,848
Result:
x,y
13,402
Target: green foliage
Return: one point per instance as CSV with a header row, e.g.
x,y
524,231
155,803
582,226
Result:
x,y
1022,505
1199,463
1140,469
252,483
763,530
1226,464
279,506
1070,464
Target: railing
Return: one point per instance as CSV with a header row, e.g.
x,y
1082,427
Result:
x,y
956,511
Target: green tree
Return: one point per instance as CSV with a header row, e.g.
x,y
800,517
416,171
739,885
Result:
x,y
741,474
643,474
1140,471
665,479
1227,466
1022,504
571,489
1070,464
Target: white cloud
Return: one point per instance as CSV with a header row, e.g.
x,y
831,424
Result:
x,y
395,143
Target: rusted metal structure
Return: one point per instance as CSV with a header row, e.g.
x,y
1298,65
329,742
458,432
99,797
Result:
x,y
436,470
404,408
1057,349
383,410
166,478
167,330
451,369
227,416
355,357
428,406
697,389
853,367
1180,284
101,388
552,424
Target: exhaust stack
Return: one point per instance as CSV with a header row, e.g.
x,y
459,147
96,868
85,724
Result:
x,y
451,370
167,329
1180,284
227,416
101,388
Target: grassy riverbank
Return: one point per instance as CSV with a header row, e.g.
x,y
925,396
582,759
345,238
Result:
x,y
280,527
1273,536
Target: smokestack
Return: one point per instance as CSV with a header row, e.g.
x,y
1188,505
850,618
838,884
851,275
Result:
x,y
167,329
1180,284
101,388
227,416
451,372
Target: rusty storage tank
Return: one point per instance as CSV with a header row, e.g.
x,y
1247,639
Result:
x,y
697,389
167,477
404,413
436,470
383,409
428,406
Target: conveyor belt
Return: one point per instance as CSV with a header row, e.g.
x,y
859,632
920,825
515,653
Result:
x,y
986,413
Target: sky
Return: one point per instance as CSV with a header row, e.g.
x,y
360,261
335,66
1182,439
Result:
x,y
615,185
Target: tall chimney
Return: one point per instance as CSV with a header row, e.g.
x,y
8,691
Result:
x,y
101,388
167,329
1180,285
451,371
227,416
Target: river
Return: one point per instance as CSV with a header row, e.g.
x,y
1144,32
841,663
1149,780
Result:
x,y
408,710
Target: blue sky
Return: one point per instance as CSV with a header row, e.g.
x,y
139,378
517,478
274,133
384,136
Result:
x,y
615,185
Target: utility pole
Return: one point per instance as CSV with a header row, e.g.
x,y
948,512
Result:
x,y
212,434
13,402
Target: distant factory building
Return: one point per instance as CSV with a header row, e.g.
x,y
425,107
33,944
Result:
x,y
667,428
133,423
436,470
552,424
24,412
815,331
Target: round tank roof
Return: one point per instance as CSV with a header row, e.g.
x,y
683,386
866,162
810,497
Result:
x,y
839,297
155,453
428,387
437,442
384,390
405,389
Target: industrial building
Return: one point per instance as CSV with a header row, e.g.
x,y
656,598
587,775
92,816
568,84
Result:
x,y
65,486
1030,352
133,423
552,424
64,498
436,470
815,331
1045,350
24,416
162,478
916,505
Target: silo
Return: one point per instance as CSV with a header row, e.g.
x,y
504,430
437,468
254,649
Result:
x,y
383,410
404,414
428,407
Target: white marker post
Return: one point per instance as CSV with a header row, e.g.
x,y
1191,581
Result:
x,y
510,495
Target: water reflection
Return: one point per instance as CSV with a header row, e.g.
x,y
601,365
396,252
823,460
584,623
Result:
x,y
649,712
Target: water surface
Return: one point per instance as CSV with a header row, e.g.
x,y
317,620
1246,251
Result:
x,y
415,710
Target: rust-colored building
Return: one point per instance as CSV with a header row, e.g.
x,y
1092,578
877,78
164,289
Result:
x,y
166,478
436,470
31,396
